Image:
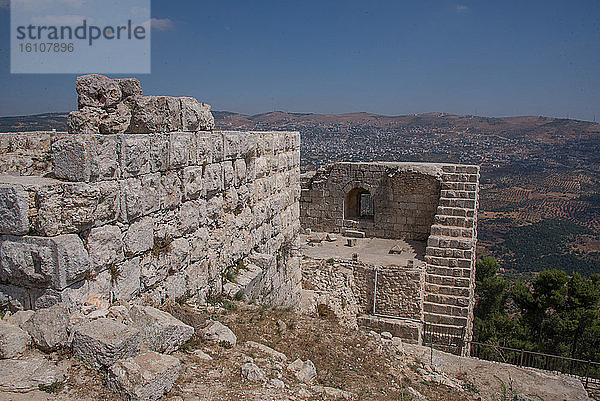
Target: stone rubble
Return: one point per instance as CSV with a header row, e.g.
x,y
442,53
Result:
x,y
146,376
252,372
13,340
48,328
276,355
161,332
217,332
304,371
102,342
23,375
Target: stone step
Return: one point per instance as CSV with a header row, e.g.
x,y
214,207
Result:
x,y
454,221
439,241
442,309
455,211
457,203
447,300
449,271
448,252
458,194
459,186
435,318
408,331
451,231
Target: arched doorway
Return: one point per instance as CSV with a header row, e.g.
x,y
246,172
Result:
x,y
358,204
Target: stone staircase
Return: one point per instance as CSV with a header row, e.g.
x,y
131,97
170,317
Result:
x,y
450,252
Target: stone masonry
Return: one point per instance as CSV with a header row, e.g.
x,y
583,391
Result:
x,y
144,196
424,202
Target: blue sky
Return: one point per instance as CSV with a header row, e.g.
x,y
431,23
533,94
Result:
x,y
484,57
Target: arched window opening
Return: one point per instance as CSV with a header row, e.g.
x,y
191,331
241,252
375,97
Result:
x,y
359,204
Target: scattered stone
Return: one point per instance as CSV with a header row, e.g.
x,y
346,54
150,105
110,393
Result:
x,y
145,377
331,238
161,332
155,114
281,326
397,342
267,350
196,116
20,317
202,355
13,340
96,90
119,313
48,328
351,242
413,395
252,372
97,314
22,375
387,335
333,392
276,383
218,332
103,342
304,371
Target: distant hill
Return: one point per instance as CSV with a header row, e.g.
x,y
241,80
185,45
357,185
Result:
x,y
37,122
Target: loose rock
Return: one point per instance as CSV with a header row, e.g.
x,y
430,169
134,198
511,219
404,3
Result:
x,y
21,375
218,332
304,371
48,328
103,342
145,377
97,91
13,340
252,372
267,350
161,332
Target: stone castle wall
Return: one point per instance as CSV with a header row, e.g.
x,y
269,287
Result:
x,y
143,196
433,203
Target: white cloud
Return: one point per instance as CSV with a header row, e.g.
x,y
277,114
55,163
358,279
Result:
x,y
462,7
68,20
162,24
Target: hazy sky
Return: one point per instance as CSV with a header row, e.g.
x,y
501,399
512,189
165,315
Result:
x,y
485,57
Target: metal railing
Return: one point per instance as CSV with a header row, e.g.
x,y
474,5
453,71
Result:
x,y
586,371
445,338
451,339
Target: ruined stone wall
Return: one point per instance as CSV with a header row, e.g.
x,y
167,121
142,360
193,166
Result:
x,y
346,287
145,197
404,199
436,203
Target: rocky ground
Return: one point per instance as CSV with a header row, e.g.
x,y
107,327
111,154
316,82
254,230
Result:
x,y
235,351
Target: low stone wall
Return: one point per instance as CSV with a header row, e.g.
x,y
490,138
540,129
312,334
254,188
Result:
x,y
346,289
145,197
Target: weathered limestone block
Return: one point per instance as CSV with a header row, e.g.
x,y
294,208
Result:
x,y
117,120
267,350
228,174
74,207
13,340
159,152
105,247
140,196
213,177
23,375
48,327
188,217
240,171
155,114
20,317
85,158
127,285
43,262
196,116
135,154
129,87
97,91
147,376
85,121
171,190
218,332
192,182
304,371
182,149
71,158
14,210
102,342
140,236
161,332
